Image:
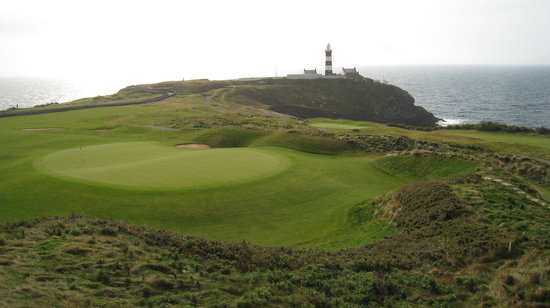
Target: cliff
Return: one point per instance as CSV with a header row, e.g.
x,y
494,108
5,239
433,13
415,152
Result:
x,y
363,100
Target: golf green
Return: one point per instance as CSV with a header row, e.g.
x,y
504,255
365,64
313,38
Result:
x,y
152,165
339,124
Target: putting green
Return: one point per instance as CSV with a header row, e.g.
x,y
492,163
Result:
x,y
152,165
339,124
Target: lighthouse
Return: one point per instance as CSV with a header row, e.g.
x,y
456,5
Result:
x,y
328,61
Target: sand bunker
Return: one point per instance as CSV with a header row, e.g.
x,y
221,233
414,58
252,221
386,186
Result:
x,y
43,128
193,146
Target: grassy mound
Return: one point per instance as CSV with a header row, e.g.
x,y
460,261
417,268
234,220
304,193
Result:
x,y
230,137
308,143
150,165
435,226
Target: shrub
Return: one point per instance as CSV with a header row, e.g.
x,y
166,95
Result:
x,y
498,127
411,127
103,277
470,283
110,231
162,284
542,130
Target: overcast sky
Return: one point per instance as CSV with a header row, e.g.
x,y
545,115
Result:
x,y
169,40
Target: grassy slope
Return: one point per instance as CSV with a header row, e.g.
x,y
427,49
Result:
x,y
530,140
311,200
459,256
322,202
536,146
307,202
267,212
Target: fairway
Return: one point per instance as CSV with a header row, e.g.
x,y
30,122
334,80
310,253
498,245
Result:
x,y
106,163
541,141
147,164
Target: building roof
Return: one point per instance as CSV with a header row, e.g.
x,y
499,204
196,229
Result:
x,y
349,70
313,71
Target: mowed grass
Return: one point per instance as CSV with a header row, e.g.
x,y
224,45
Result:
x,y
148,164
537,146
522,139
304,201
340,124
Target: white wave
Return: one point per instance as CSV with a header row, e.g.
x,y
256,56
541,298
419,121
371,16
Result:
x,y
447,122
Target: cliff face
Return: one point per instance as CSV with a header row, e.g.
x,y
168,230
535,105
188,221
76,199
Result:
x,y
364,100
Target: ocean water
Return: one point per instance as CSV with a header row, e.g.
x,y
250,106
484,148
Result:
x,y
27,92
514,95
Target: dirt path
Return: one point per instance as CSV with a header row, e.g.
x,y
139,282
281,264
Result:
x,y
519,191
207,103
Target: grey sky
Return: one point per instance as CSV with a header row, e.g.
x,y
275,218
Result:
x,y
164,40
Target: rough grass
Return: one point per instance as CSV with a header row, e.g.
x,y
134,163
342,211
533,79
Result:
x,y
230,137
441,242
306,205
526,139
441,254
435,225
422,167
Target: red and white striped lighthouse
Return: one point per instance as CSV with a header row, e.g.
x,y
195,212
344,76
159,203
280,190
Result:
x,y
328,61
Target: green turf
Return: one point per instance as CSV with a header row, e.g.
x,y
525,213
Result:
x,y
302,199
339,124
522,139
147,164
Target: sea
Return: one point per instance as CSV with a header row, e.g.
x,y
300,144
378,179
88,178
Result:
x,y
512,95
24,92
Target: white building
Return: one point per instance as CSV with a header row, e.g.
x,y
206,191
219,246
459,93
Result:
x,y
308,74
